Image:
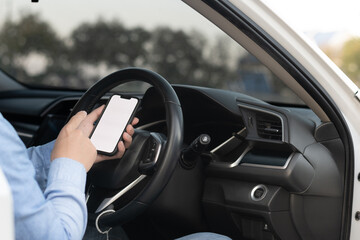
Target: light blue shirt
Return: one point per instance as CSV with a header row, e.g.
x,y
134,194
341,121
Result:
x,y
49,199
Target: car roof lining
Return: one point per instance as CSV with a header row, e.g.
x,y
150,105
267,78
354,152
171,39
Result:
x,y
258,52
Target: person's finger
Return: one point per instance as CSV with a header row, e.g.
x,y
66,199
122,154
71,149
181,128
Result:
x,y
130,130
121,149
88,124
95,114
127,140
76,120
119,154
135,121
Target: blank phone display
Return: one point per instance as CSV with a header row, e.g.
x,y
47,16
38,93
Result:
x,y
112,123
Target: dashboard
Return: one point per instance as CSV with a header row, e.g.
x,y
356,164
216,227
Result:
x,y
274,170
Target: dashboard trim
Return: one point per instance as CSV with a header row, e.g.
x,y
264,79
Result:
x,y
227,141
236,162
270,166
240,105
56,102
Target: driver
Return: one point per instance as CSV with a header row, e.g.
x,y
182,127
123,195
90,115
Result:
x,y
48,182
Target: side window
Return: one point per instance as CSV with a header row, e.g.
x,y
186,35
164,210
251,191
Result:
x,y
255,79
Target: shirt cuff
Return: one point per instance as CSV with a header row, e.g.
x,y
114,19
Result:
x,y
67,171
46,150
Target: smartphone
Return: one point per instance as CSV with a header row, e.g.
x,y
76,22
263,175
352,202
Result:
x,y
109,128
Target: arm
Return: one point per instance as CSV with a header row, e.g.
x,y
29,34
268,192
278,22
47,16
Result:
x,y
40,158
60,213
40,155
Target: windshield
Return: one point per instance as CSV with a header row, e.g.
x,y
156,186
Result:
x,y
72,44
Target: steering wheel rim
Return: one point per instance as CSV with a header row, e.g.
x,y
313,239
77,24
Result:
x,y
171,149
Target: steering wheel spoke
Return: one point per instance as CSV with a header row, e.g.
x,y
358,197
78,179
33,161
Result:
x,y
152,151
108,201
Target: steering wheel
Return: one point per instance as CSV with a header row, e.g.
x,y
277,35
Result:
x,y
150,160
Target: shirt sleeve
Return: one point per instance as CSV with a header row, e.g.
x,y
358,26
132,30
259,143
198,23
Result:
x,y
59,212
40,158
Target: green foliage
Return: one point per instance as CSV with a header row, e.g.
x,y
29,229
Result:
x,y
351,59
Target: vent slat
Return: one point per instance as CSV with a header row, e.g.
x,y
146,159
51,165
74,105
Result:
x,y
269,126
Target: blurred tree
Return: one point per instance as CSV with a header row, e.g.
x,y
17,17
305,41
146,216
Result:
x,y
187,58
176,55
103,47
351,59
218,65
333,53
29,37
32,51
110,43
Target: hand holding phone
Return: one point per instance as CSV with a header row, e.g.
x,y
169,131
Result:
x,y
117,114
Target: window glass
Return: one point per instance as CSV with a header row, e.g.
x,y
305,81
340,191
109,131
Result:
x,y
332,25
73,44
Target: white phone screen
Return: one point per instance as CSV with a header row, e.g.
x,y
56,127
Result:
x,y
112,123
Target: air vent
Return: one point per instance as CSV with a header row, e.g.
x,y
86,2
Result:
x,y
269,126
